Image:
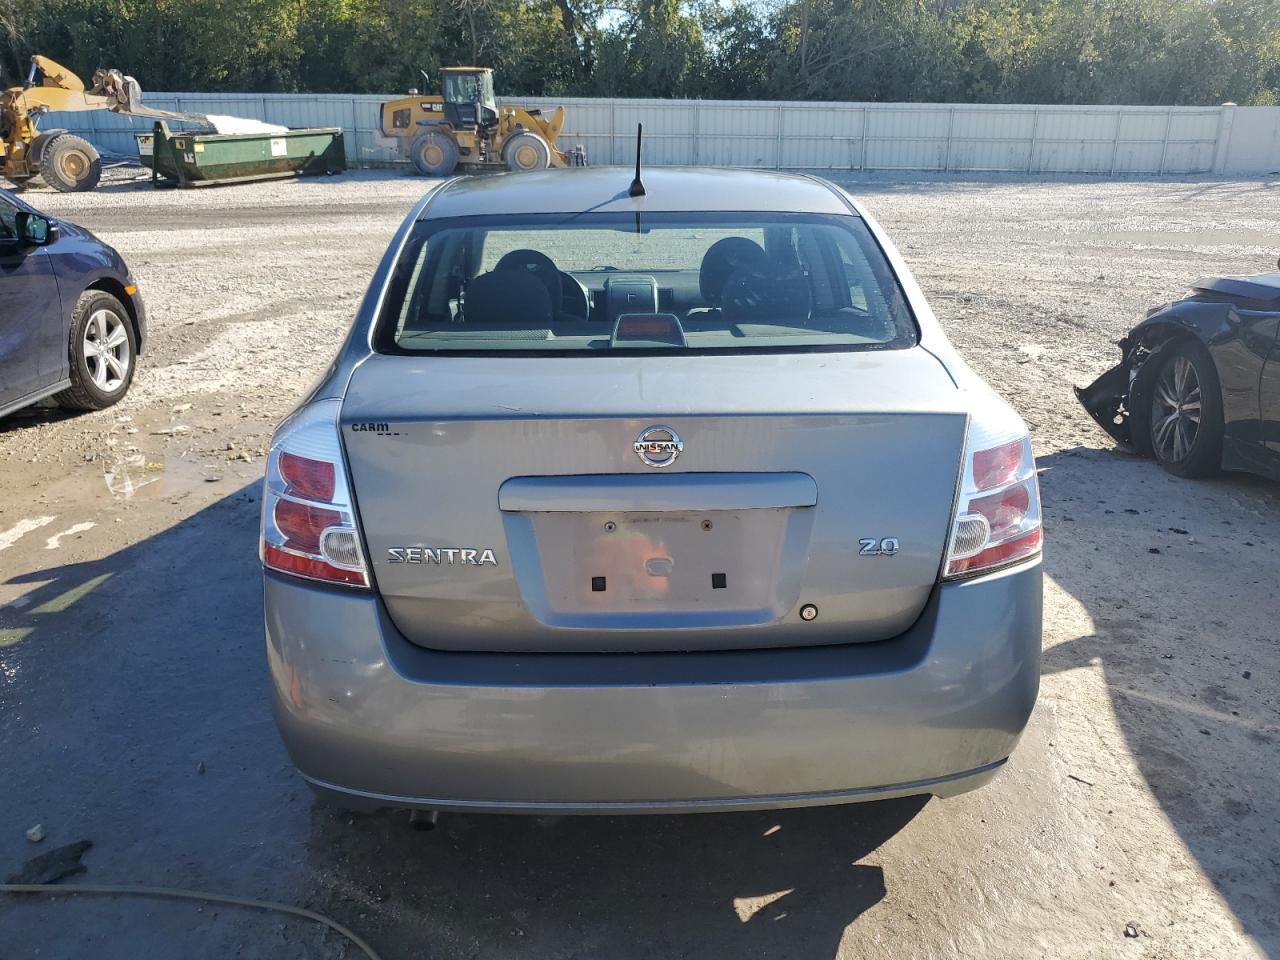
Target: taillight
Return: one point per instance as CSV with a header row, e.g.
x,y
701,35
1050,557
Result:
x,y
998,513
308,522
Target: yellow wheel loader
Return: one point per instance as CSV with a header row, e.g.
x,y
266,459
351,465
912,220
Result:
x,y
66,162
467,127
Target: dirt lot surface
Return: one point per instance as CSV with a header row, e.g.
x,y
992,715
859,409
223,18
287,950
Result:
x,y
133,694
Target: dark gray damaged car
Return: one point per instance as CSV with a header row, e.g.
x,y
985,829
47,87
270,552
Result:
x,y
1198,385
671,502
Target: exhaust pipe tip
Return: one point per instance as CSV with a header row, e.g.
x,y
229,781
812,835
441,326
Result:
x,y
423,820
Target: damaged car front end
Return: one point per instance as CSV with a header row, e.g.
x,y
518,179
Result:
x,y
1111,399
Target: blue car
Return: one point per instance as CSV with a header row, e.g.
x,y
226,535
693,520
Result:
x,y
71,320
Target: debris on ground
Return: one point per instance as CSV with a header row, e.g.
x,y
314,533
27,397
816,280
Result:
x,y
1131,930
58,864
36,834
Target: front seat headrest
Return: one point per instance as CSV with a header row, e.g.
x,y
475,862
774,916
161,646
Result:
x,y
535,263
511,298
723,259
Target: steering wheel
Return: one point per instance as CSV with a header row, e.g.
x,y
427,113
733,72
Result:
x,y
538,264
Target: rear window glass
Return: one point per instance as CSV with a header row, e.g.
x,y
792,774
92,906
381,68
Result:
x,y
670,281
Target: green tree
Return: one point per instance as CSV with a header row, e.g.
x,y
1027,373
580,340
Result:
x,y
1043,51
655,51
737,58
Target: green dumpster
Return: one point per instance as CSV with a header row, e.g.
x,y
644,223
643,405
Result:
x,y
195,158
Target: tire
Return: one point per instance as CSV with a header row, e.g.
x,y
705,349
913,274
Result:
x,y
434,154
97,383
526,151
1183,410
70,164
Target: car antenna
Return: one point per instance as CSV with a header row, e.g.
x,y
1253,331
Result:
x,y
637,188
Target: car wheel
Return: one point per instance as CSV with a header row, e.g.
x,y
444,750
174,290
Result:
x,y
102,349
1185,415
435,154
70,164
526,151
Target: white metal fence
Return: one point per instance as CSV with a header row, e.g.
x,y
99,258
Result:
x,y
1106,140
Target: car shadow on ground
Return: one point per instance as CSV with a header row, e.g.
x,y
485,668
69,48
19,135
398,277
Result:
x,y
1178,577
42,412
136,714
768,884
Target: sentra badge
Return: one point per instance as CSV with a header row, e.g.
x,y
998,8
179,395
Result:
x,y
442,556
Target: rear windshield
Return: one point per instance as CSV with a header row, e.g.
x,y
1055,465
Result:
x,y
697,282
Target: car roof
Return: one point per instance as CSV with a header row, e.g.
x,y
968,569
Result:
x,y
604,190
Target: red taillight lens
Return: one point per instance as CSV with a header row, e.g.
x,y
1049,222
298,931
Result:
x,y
307,478
309,567
302,524
1004,511
308,518
998,516
998,466
1025,546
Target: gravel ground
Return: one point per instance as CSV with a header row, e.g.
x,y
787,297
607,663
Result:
x,y
133,696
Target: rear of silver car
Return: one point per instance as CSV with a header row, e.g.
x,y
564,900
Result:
x,y
556,569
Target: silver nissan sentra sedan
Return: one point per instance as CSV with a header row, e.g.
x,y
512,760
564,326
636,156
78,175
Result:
x,y
678,501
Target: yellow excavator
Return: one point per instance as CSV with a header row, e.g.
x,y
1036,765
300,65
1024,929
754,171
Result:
x,y
66,162
466,126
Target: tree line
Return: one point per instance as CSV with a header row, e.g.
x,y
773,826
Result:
x,y
988,51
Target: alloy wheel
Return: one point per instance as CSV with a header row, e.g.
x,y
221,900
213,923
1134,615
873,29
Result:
x,y
1175,410
106,350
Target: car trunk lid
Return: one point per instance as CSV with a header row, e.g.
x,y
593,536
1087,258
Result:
x,y
505,505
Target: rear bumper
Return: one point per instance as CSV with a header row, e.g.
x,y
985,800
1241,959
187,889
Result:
x,y
378,721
